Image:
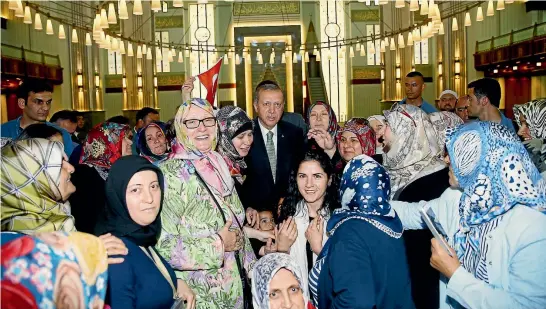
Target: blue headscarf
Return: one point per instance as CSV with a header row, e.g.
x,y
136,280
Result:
x,y
364,193
142,145
496,174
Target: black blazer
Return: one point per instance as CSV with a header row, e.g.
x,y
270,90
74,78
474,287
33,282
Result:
x,y
259,191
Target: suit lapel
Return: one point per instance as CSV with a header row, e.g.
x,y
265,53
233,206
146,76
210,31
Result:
x,y
259,152
283,162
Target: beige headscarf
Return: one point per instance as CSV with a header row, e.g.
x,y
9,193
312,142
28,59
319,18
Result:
x,y
31,200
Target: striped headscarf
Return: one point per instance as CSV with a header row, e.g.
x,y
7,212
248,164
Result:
x,y
534,113
31,199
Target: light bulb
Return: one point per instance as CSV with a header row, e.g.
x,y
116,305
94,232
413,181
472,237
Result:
x,y
454,26
399,4
414,5
122,7
130,52
19,12
180,57
112,14
351,52
49,27
401,43
467,21
178,3
479,14
38,22
62,35
103,19
490,9
382,47
441,30
121,47
88,39
74,35
500,5
139,52
28,17
392,44
156,5
410,39
424,7
137,7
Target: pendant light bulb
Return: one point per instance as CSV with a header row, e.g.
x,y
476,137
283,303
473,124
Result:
x,y
137,7
49,27
490,8
139,52
500,5
130,52
112,19
181,57
441,30
156,5
122,47
399,4
410,39
178,3
479,14
467,21
424,7
62,34
28,17
20,11
382,47
88,39
401,43
103,19
414,6
122,8
454,26
38,22
74,35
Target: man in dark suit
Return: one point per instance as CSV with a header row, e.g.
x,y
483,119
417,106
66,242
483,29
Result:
x,y
277,149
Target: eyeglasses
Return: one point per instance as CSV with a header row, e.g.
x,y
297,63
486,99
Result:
x,y
195,123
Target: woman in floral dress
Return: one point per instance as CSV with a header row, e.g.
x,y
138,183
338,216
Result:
x,y
202,236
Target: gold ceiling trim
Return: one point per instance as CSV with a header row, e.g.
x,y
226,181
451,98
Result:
x,y
266,8
366,73
365,15
165,22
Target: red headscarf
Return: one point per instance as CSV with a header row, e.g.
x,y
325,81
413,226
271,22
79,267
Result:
x,y
104,144
365,134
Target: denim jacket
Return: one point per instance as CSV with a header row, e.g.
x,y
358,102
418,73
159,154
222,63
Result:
x,y
517,251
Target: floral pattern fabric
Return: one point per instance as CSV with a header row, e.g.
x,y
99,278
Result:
x,y
414,151
333,126
53,270
365,134
189,240
104,145
496,174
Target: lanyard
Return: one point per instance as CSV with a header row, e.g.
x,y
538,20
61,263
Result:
x,y
159,264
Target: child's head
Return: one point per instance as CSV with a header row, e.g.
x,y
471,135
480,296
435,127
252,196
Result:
x,y
266,220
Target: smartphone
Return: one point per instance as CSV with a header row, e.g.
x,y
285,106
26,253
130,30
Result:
x,y
435,227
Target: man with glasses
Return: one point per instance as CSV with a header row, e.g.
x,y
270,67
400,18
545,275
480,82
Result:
x,y
448,99
461,108
275,152
34,97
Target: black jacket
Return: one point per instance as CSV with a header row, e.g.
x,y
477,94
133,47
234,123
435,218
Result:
x,y
259,191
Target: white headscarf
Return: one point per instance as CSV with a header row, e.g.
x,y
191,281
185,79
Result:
x,y
264,271
415,151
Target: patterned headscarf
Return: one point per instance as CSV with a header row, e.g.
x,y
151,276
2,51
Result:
x,y
534,113
31,199
232,121
496,174
333,127
365,134
364,193
414,151
104,145
265,269
441,121
142,144
211,166
53,270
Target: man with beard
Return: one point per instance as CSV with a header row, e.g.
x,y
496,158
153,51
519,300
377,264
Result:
x,y
448,100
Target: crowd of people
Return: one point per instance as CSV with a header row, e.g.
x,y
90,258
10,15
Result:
x,y
213,209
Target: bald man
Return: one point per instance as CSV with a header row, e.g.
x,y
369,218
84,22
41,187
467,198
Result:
x,y
461,108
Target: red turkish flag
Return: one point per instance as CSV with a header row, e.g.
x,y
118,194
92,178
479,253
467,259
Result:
x,y
209,79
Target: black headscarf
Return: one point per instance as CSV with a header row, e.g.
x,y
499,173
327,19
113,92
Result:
x,y
116,218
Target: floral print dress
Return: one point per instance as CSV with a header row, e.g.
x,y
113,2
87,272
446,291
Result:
x,y
189,239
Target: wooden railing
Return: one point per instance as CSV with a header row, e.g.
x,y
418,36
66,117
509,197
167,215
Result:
x,y
524,44
25,63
